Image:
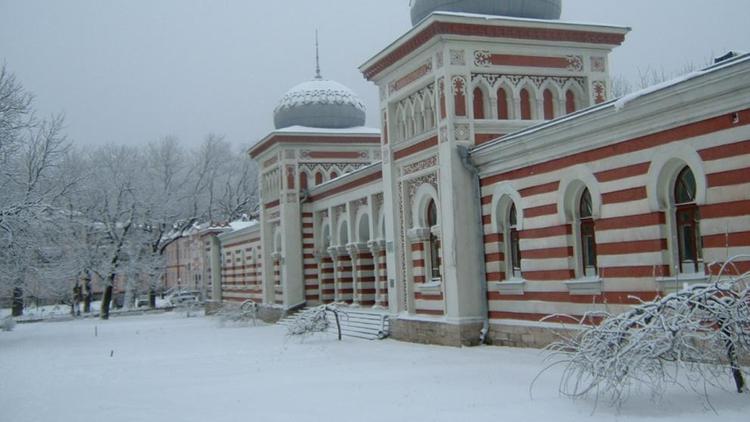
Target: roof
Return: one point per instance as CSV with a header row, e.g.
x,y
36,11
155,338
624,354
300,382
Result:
x,y
441,24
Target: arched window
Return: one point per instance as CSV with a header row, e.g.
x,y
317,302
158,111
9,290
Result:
x,y
587,237
514,245
502,105
303,180
687,222
570,102
549,106
478,103
318,178
432,221
334,175
525,104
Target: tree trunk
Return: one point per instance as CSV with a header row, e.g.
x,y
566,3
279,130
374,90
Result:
x,y
88,295
106,301
739,379
17,306
152,298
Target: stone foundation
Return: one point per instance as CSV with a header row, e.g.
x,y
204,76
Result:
x,y
525,336
436,332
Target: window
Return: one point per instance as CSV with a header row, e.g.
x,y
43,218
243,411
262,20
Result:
x,y
549,106
303,181
478,103
687,219
432,221
525,104
570,102
502,104
318,178
514,246
587,238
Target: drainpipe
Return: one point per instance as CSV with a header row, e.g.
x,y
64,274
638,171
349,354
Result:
x,y
472,168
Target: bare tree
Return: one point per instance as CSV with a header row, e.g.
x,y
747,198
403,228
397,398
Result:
x,y
702,331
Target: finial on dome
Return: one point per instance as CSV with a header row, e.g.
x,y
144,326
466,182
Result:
x,y
317,57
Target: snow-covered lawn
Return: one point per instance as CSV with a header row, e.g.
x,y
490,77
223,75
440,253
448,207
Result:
x,y
171,368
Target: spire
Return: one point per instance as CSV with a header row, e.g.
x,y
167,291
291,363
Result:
x,y
317,57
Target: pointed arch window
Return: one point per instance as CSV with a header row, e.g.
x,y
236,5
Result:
x,y
587,237
303,181
432,222
318,178
525,104
549,106
514,244
502,104
570,102
478,103
687,222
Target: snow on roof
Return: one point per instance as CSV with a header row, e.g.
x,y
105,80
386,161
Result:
x,y
360,130
530,20
320,91
240,225
623,101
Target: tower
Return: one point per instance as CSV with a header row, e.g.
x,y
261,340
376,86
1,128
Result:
x,y
467,72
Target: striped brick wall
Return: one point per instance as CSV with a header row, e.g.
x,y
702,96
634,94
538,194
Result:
x,y
426,301
312,288
327,288
344,280
365,276
633,240
241,278
382,276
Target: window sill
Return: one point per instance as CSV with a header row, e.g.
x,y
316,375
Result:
x,y
431,287
509,287
682,281
585,286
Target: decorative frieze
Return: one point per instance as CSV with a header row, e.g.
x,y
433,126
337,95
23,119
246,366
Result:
x,y
420,166
598,64
496,80
485,58
457,57
413,76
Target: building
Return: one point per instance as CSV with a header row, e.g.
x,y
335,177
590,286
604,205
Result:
x,y
505,187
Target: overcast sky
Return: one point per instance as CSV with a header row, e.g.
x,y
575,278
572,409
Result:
x,y
133,71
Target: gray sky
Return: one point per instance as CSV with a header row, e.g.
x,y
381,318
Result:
x,y
132,71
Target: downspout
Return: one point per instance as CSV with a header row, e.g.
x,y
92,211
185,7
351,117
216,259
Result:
x,y
472,168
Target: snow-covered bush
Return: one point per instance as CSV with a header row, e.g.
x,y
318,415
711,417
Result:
x,y
7,323
691,338
244,314
314,320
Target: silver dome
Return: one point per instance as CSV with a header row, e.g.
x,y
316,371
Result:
x,y
536,9
320,104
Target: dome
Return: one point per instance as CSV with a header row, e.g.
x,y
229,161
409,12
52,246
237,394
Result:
x,y
321,104
535,9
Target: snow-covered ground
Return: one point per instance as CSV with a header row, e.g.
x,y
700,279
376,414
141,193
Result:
x,y
167,367
34,313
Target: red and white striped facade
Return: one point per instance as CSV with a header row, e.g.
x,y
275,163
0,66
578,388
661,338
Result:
x,y
483,118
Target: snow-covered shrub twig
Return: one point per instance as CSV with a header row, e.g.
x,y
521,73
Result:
x,y
691,338
315,320
246,312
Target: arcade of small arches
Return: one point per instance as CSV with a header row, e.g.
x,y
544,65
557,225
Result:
x,y
349,251
511,97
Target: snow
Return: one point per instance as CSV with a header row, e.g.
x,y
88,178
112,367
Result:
x,y
241,225
360,130
320,91
168,367
529,20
